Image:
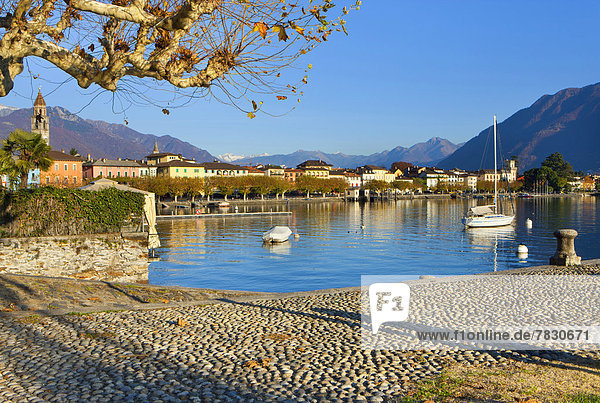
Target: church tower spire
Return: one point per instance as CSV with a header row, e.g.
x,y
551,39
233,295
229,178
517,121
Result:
x,y
39,121
155,151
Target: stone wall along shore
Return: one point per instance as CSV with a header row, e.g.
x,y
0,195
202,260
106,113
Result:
x,y
110,257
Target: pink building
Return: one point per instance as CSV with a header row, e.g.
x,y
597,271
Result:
x,y
103,168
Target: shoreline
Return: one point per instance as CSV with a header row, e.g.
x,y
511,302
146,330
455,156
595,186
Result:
x,y
22,295
314,199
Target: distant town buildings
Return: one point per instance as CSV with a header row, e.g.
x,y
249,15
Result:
x,y
69,170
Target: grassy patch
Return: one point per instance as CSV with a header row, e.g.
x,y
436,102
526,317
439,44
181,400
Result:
x,y
570,382
30,319
584,398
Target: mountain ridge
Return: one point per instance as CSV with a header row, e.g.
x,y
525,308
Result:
x,y
96,137
424,153
567,122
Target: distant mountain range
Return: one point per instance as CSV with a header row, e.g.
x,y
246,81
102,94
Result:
x,y
567,122
426,153
96,137
110,140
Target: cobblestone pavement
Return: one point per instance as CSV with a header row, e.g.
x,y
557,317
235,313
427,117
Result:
x,y
303,348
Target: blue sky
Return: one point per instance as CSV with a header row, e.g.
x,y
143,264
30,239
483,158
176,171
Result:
x,y
408,71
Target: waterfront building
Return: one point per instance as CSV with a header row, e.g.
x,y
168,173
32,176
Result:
x,y
223,169
434,177
373,172
337,173
145,169
353,179
180,169
291,174
65,171
588,183
509,173
107,168
272,170
252,171
400,168
316,168
468,180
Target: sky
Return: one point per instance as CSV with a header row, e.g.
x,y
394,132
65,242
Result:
x,y
407,71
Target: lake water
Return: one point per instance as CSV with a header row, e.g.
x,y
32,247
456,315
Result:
x,y
405,237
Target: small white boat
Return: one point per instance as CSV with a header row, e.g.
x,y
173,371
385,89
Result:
x,y
223,204
277,234
488,216
484,216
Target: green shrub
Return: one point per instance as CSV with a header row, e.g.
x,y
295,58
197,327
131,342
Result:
x,y
50,211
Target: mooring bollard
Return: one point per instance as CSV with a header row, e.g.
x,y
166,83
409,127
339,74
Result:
x,y
565,248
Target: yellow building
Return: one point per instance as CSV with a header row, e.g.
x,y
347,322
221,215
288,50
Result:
x,y
319,169
180,169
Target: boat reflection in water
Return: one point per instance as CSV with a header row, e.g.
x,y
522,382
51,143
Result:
x,y
283,248
489,238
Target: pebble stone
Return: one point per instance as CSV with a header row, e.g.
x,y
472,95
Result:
x,y
304,348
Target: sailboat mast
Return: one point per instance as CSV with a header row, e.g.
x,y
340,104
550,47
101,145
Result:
x,y
495,172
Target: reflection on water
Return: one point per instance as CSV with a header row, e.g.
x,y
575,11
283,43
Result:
x,y
340,241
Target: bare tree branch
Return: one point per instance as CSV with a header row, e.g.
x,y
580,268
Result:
x,y
187,43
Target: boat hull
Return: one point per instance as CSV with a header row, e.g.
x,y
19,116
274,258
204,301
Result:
x,y
278,234
496,220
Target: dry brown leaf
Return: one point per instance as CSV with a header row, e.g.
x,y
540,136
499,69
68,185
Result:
x,y
261,28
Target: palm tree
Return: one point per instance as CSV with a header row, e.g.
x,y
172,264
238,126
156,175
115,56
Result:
x,y
22,152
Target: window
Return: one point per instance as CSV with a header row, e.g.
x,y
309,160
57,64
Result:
x,y
176,169
74,180
196,170
119,173
56,179
185,170
100,173
66,167
133,174
109,174
126,174
47,180
56,167
65,180
74,167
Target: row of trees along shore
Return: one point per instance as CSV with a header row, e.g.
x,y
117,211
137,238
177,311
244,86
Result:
x,y
228,186
268,185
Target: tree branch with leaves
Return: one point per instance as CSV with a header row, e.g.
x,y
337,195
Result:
x,y
237,45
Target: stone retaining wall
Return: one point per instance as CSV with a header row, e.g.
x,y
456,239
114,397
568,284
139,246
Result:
x,y
110,257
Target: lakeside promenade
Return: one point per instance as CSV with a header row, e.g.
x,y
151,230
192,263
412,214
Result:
x,y
210,345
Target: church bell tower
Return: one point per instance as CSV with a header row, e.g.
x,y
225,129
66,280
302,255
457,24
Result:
x,y
39,121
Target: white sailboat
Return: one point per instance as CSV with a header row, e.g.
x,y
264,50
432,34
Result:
x,y
488,216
